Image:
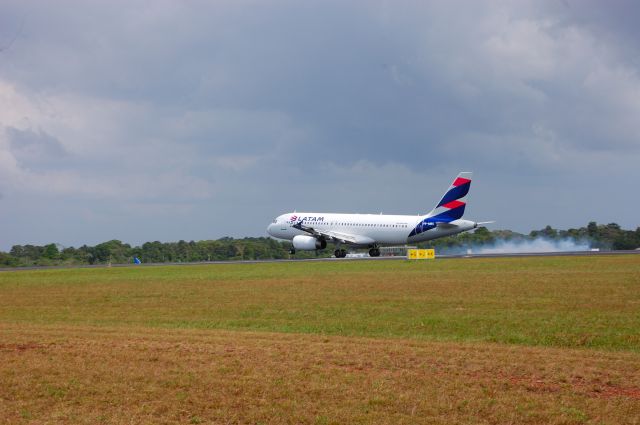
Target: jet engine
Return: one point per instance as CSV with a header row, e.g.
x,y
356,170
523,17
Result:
x,y
308,243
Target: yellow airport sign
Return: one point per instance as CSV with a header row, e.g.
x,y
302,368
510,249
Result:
x,y
421,254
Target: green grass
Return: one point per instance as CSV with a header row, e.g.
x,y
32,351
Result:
x,y
548,301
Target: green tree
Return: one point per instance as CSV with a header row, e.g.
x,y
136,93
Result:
x,y
112,251
547,232
592,229
51,252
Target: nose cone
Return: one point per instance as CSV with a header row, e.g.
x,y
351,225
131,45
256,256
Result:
x,y
270,229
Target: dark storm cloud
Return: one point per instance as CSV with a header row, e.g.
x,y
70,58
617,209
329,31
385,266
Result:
x,y
236,110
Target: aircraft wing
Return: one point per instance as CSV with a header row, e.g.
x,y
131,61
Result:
x,y
341,237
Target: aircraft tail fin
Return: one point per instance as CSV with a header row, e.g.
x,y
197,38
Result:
x,y
451,206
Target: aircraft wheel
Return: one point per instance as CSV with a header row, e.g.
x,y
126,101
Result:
x,y
337,253
374,252
343,253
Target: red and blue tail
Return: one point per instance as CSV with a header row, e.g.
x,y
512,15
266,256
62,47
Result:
x,y
451,206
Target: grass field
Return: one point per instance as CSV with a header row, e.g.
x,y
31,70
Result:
x,y
520,340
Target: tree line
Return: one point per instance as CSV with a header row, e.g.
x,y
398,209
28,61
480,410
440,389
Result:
x,y
604,236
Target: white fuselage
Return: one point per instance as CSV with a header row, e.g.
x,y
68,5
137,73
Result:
x,y
369,229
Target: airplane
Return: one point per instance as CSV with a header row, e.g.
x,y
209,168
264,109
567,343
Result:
x,y
312,231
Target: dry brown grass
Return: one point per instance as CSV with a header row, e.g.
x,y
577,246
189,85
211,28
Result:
x,y
80,374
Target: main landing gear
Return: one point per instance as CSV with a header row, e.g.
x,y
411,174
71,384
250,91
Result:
x,y
374,252
340,253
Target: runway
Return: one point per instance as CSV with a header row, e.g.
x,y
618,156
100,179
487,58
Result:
x,y
298,260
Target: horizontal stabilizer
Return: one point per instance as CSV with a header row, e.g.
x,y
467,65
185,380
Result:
x,y
443,225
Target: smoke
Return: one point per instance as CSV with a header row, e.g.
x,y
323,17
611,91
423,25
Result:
x,y
521,246
531,246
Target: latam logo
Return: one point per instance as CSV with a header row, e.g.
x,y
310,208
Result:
x,y
310,219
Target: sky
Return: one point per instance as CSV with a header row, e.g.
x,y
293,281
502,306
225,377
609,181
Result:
x,y
192,120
